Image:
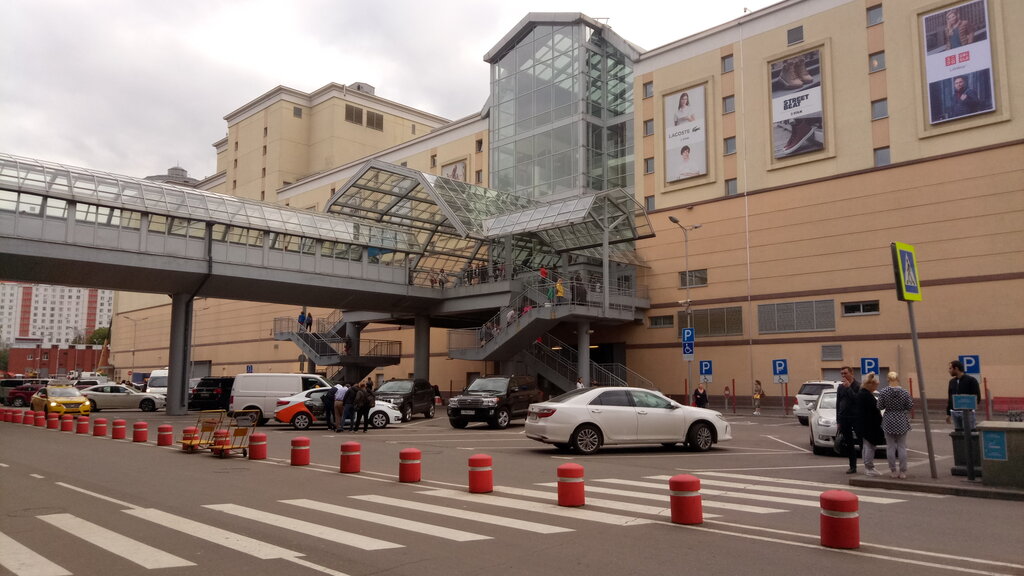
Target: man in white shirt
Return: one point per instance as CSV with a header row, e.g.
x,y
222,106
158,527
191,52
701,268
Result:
x,y
339,408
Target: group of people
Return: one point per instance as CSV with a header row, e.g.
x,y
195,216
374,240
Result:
x,y
349,404
306,321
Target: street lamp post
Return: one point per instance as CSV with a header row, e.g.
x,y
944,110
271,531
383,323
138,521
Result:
x,y
686,279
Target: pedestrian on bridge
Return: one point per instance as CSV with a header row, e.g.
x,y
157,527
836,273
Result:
x,y
309,321
302,319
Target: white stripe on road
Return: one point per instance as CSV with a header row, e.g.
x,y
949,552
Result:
x,y
303,527
794,491
96,495
726,493
24,562
598,502
791,481
664,496
465,514
390,521
540,507
142,554
228,539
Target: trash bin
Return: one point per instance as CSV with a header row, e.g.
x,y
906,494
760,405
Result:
x,y
965,419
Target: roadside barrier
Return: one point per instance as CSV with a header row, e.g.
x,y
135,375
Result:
x,y
140,432
481,474
351,458
119,429
99,427
14,416
300,451
164,435
40,418
571,488
840,519
6,414
52,421
258,446
82,426
30,418
684,499
410,461
188,438
67,423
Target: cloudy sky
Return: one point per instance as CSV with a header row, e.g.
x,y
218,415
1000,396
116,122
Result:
x,y
137,86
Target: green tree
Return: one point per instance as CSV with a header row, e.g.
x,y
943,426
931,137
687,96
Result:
x,y
99,335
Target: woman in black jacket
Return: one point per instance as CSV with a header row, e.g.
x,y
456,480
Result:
x,y
869,423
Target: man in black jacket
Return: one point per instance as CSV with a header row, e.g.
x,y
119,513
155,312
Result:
x,y
961,383
846,414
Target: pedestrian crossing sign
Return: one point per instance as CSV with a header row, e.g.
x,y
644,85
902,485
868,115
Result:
x,y
908,281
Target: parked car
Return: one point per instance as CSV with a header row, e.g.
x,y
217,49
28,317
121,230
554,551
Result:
x,y
83,384
22,395
107,396
304,409
157,382
211,393
493,399
261,391
586,419
824,425
61,400
8,384
807,396
410,396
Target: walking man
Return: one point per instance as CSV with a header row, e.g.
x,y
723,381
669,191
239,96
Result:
x,y
846,414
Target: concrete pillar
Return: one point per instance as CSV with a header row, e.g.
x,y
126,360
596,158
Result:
x,y
421,348
352,331
177,362
583,348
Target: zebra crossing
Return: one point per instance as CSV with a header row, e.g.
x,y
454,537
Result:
x,y
456,516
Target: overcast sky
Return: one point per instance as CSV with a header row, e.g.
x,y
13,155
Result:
x,y
134,87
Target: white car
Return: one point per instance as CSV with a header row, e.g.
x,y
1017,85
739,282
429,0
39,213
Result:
x,y
587,418
303,409
824,425
808,396
109,396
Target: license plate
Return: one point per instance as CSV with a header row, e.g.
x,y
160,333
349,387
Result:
x,y
468,412
531,417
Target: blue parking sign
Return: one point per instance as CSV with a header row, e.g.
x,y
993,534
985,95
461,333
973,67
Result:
x,y
705,367
780,367
972,364
868,365
688,334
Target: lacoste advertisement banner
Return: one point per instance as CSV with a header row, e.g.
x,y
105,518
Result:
x,y
958,62
685,142
797,119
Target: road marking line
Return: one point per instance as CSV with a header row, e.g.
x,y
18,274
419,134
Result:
x,y
316,567
2,465
726,493
390,521
25,562
465,514
664,496
786,443
598,502
795,491
142,554
96,495
228,539
540,507
303,527
822,485
40,476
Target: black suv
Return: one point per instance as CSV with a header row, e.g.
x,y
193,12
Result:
x,y
409,396
493,399
211,393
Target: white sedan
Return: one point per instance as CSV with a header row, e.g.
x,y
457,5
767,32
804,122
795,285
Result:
x,y
303,409
104,396
587,418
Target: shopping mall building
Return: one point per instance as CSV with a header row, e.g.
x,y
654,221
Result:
x,y
747,181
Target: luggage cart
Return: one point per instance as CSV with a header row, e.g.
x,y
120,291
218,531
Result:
x,y
207,425
237,439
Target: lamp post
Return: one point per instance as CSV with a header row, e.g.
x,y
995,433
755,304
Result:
x,y
686,279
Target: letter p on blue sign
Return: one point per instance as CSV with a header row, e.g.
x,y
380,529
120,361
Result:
x,y
868,365
972,364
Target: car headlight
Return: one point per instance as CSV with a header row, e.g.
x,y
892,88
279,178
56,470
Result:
x,y
490,402
826,422
53,404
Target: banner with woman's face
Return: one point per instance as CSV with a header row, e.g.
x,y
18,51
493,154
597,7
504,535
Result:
x,y
685,134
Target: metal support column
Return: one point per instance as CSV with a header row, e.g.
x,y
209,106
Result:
x,y
421,348
178,357
583,348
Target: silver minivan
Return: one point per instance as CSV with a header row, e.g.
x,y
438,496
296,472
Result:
x,y
261,391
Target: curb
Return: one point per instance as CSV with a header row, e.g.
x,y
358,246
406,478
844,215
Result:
x,y
967,490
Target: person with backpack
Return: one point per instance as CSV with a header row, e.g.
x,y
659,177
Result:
x,y
363,401
328,400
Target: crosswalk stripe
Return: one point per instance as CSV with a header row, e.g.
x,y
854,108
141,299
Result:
x,y
726,493
664,497
822,485
308,528
794,491
466,514
390,521
142,554
540,507
23,561
228,539
597,502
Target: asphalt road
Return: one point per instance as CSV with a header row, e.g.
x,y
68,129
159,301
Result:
x,y
86,505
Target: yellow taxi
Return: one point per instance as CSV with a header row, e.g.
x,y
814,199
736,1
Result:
x,y
60,400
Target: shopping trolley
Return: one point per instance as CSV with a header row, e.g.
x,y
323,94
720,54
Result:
x,y
206,427
239,429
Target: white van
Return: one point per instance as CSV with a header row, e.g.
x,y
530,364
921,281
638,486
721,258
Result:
x,y
261,391
157,383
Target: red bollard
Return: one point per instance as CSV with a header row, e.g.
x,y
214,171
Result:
x,y
6,415
570,485
300,451
840,520
67,423
481,474
82,426
258,446
53,421
164,435
14,416
409,465
188,438
351,459
119,430
30,418
140,432
40,418
99,427
684,499
220,440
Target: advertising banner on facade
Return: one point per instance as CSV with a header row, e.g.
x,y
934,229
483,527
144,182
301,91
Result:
x,y
455,170
686,149
958,62
797,112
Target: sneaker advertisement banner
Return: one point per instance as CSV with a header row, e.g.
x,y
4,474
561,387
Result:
x,y
797,119
958,62
685,143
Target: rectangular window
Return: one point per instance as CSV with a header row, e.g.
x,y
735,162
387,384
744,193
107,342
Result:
x,y
649,203
649,127
875,15
264,149
727,64
866,308
480,145
697,278
413,129
404,164
730,145
478,176
715,321
374,120
264,131
730,187
433,160
297,112
879,109
882,157
662,321
795,35
876,62
728,104
806,316
648,89
832,353
648,165
353,114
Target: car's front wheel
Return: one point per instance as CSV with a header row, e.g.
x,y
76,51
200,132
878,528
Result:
x,y
700,437
147,405
406,413
459,423
93,406
501,419
586,439
301,421
378,419
803,420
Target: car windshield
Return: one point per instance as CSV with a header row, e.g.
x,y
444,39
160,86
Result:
x,y
492,385
813,389
827,402
395,387
68,392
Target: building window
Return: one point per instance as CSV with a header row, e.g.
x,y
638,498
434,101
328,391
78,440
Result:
x,y
662,321
236,146
264,149
882,157
648,165
480,145
806,316
728,105
263,195
404,164
374,120
866,308
648,89
730,187
730,145
879,109
478,176
875,15
832,353
649,127
264,131
715,321
264,173
353,114
413,128
876,62
727,64
235,163
433,160
795,35
234,184
697,278
297,112
649,203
